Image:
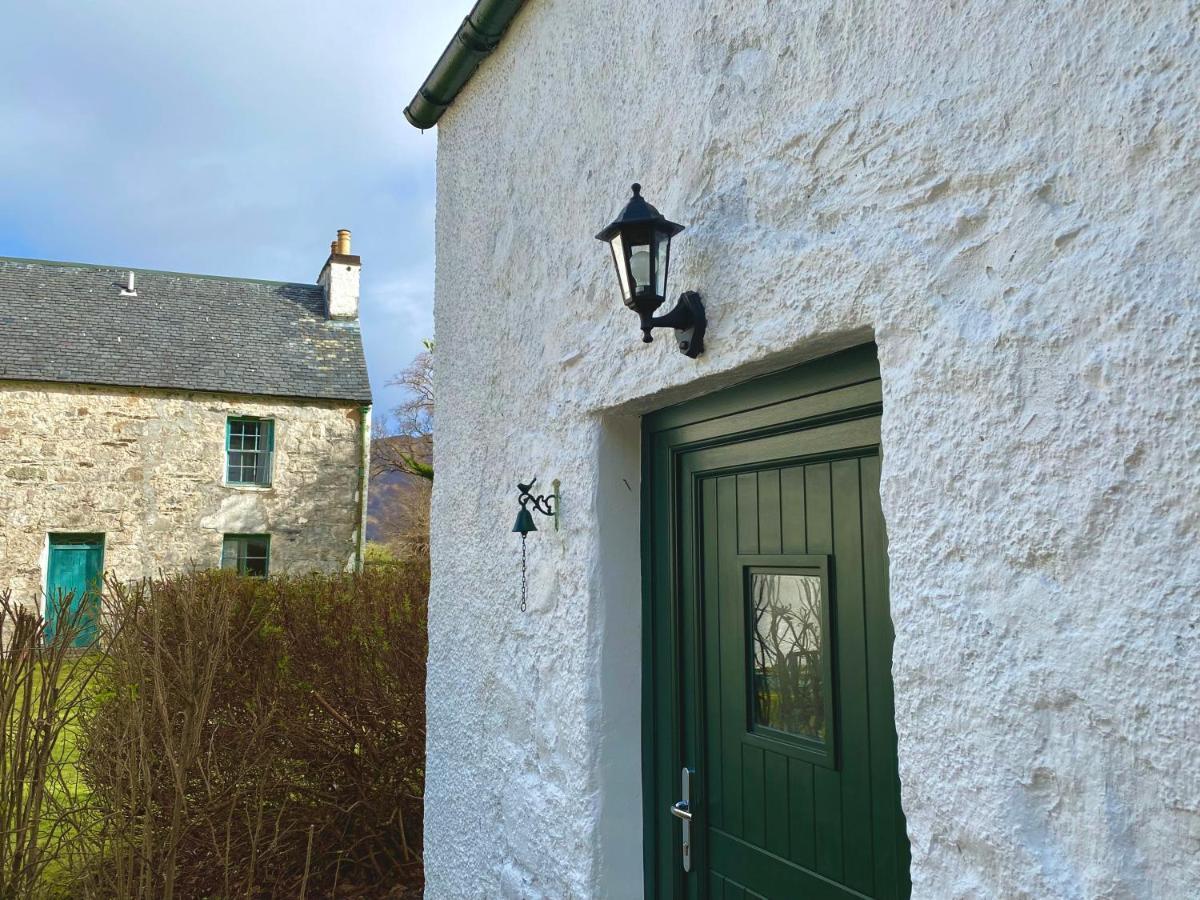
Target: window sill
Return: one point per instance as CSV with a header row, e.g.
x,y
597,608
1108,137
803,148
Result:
x,y
255,488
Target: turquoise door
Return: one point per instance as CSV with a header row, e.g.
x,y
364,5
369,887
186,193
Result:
x,y
73,582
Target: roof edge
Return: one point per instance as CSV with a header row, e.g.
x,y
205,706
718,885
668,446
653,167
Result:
x,y
476,38
103,267
367,399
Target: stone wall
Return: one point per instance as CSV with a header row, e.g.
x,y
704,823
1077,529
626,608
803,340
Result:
x,y
1003,196
147,470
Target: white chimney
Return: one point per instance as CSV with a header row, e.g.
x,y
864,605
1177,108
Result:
x,y
339,279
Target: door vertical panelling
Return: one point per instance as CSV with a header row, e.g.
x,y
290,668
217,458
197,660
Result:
x,y
715,796
827,787
730,623
791,498
753,813
794,539
753,799
800,813
747,513
852,669
769,539
65,584
775,778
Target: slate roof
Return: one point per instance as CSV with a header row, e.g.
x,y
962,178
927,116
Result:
x,y
67,322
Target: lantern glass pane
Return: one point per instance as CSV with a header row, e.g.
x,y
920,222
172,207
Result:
x,y
622,264
639,266
662,242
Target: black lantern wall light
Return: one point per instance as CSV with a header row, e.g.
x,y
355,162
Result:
x,y
640,240
547,505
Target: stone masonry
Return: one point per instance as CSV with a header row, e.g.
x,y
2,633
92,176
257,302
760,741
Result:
x,y
147,468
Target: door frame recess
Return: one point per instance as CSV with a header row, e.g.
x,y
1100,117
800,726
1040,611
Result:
x,y
839,388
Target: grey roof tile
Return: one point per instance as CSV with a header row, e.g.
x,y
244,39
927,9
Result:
x,y
68,322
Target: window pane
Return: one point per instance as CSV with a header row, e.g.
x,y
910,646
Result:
x,y
243,434
787,667
241,467
662,247
257,557
621,261
246,433
262,469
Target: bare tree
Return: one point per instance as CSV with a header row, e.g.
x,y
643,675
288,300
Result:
x,y
408,448
402,463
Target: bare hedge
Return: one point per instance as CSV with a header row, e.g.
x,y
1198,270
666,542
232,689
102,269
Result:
x,y
43,692
250,738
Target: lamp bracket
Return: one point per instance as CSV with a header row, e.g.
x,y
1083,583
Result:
x,y
688,320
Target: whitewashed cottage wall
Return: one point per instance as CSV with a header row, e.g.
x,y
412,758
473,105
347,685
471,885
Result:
x,y
1004,197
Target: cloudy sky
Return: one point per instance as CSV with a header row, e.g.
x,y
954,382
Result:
x,y
229,139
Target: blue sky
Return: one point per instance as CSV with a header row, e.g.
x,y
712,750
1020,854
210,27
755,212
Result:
x,y
228,139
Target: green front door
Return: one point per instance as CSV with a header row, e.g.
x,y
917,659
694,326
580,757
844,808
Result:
x,y
73,582
769,643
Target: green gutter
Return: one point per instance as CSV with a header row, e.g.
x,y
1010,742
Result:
x,y
476,38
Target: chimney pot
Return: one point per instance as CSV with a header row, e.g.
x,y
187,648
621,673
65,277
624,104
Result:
x,y
343,242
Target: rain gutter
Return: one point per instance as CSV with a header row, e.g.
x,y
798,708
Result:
x,y
476,38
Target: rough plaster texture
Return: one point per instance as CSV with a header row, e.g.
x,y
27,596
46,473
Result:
x,y
1005,197
148,469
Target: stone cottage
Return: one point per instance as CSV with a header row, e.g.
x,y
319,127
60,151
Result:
x,y
889,582
155,421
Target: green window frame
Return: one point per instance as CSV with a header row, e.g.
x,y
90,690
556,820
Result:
x,y
249,450
247,554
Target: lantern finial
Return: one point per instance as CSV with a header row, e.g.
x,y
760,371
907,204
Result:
x,y
637,188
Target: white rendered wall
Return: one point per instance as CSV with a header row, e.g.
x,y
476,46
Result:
x,y
1004,195
340,279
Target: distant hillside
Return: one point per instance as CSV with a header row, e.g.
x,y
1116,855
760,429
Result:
x,y
388,498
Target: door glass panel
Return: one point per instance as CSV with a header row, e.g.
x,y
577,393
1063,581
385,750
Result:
x,y
787,642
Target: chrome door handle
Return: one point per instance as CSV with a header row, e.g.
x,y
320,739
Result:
x,y
680,811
